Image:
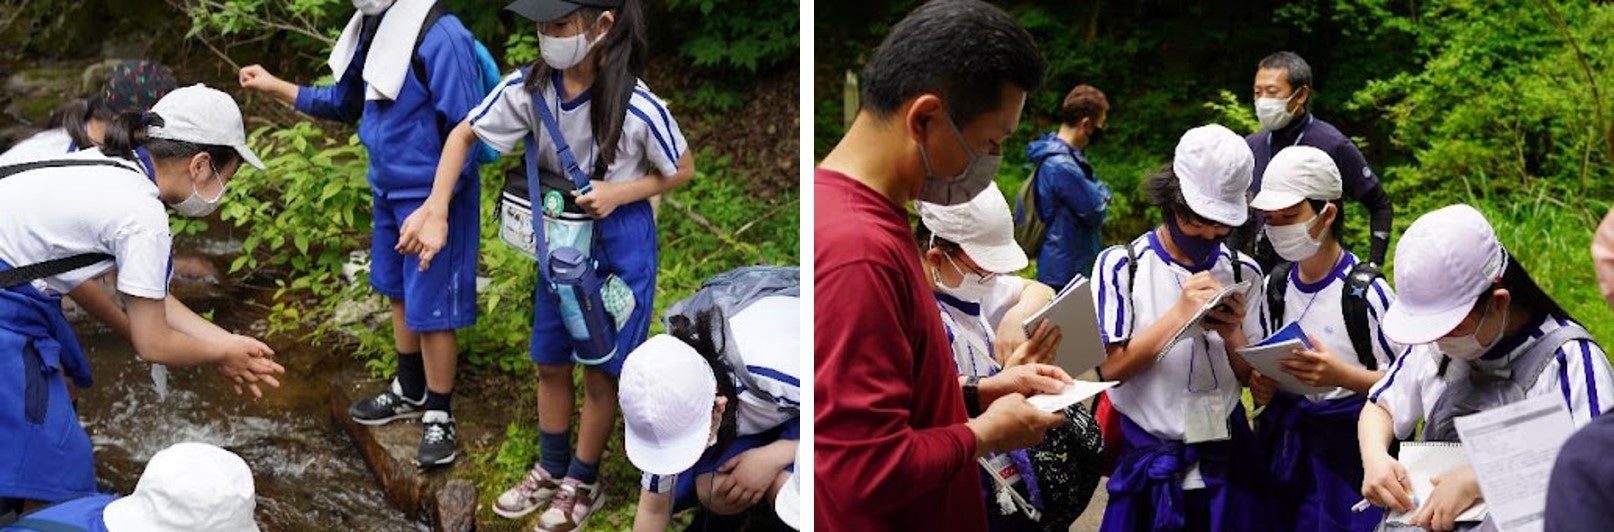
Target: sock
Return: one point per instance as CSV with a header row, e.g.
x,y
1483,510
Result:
x,y
412,376
554,449
438,401
584,472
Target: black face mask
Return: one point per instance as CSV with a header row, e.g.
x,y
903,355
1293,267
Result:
x,y
1095,135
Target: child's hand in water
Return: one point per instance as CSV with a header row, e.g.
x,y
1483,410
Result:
x,y
423,233
601,201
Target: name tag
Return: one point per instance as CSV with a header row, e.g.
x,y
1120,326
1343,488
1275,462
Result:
x,y
1205,418
515,224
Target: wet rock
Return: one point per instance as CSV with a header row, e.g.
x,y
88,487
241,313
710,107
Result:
x,y
456,507
429,494
196,269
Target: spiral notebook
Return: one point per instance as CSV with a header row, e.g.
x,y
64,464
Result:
x,y
1425,460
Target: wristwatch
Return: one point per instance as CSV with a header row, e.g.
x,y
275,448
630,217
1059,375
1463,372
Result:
x,y
972,395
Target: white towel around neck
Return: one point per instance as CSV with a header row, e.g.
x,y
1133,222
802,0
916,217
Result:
x,y
384,67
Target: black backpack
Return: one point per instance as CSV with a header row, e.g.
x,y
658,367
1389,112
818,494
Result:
x,y
1353,301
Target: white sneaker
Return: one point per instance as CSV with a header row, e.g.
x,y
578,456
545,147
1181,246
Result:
x,y
534,491
573,503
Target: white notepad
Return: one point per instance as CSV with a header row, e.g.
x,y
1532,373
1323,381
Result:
x,y
1192,327
1425,460
1265,357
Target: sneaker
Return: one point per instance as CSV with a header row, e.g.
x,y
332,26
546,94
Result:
x,y
534,491
385,407
437,439
574,502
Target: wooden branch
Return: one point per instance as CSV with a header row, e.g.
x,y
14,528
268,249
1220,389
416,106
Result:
x,y
710,227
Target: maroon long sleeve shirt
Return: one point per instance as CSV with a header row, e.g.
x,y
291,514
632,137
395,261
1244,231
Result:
x,y
891,448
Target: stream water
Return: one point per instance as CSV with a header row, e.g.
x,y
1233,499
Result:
x,y
306,472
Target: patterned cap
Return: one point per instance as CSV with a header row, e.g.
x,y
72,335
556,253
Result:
x,y
135,86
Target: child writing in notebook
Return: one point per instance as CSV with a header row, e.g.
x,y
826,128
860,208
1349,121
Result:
x,y
1310,440
1482,334
587,118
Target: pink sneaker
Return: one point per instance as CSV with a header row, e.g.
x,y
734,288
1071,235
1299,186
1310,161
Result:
x,y
534,491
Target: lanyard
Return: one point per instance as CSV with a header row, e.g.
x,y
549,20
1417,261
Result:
x,y
1204,341
1298,138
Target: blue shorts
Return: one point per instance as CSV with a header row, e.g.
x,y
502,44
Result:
x,y
443,297
625,247
684,496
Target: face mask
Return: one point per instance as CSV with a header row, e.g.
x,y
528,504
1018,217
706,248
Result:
x,y
372,7
1468,347
196,206
1198,249
1094,136
1274,112
561,53
1293,242
980,172
970,290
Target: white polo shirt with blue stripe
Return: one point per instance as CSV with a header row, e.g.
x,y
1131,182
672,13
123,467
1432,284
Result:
x,y
768,335
1156,398
1578,371
1317,307
651,140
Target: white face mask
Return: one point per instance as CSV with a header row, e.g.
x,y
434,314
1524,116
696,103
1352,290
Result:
x,y
1468,347
372,7
196,206
1294,242
972,289
1274,112
561,53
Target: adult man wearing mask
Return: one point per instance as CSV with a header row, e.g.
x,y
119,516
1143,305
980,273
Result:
x,y
1069,197
895,445
1283,90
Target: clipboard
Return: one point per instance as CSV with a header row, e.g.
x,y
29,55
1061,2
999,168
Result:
x,y
1074,312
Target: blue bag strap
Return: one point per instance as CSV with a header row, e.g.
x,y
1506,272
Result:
x,y
540,241
562,150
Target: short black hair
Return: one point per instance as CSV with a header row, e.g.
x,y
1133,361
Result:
x,y
1299,71
961,50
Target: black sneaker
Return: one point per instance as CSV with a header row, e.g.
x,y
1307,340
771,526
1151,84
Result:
x,y
387,406
437,439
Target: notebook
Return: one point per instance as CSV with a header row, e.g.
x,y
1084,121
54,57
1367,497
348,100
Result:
x,y
1081,348
1267,355
1191,327
1424,460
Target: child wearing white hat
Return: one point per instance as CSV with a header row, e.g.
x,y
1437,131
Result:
x,y
970,255
1469,310
189,487
1179,401
1310,440
72,219
712,410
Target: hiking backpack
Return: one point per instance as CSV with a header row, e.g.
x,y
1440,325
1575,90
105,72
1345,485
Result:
x,y
729,293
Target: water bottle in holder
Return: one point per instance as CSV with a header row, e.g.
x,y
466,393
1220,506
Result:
x,y
582,309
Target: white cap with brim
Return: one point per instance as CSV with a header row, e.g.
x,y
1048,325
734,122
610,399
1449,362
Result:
x,y
667,392
199,114
1214,167
1296,174
189,487
983,227
1443,263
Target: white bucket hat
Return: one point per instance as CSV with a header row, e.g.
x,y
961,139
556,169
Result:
x,y
202,115
667,393
1444,261
190,487
983,227
1214,167
1297,174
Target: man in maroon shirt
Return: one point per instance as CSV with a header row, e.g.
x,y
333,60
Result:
x,y
897,432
